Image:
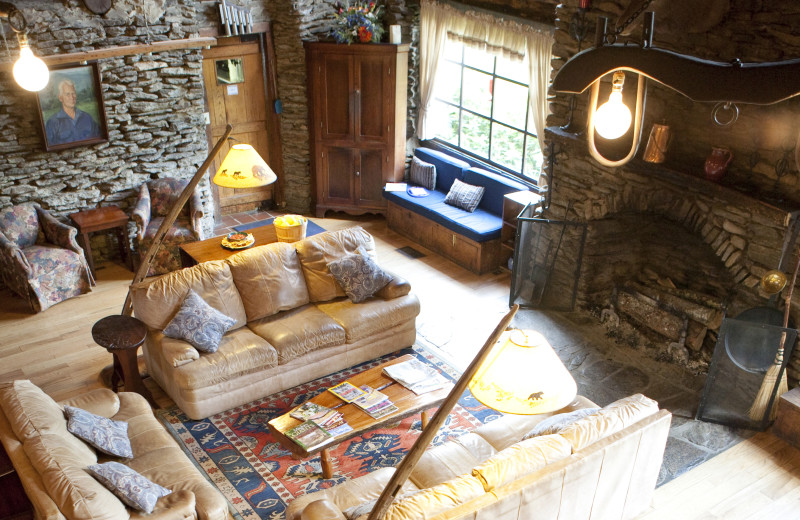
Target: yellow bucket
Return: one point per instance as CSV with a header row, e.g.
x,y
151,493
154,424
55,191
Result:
x,y
290,232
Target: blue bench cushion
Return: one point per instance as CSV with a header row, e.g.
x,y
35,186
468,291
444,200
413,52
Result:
x,y
480,226
496,187
447,168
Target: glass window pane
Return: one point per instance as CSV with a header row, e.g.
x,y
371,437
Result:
x,y
229,71
448,82
533,158
479,59
513,69
474,133
510,103
452,50
507,147
477,95
445,118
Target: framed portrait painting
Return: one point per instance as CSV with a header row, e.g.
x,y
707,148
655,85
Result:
x,y
71,108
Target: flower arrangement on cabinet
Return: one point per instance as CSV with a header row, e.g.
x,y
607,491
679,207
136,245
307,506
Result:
x,y
358,22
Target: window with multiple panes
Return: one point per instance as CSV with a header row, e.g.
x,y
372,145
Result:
x,y
481,108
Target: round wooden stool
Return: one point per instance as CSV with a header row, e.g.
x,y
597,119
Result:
x,y
122,335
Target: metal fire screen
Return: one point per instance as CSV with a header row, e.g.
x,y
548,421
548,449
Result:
x,y
742,355
547,261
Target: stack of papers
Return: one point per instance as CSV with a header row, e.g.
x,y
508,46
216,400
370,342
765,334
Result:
x,y
375,403
416,376
326,418
309,410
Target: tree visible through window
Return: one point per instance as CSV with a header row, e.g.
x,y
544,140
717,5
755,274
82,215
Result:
x,y
481,108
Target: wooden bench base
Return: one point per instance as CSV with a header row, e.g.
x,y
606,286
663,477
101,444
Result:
x,y
478,257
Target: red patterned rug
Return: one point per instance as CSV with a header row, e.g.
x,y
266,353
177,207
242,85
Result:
x,y
235,450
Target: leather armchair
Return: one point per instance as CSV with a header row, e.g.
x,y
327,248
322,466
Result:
x,y
156,197
40,259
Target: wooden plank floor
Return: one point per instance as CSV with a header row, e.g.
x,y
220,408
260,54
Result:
x,y
759,478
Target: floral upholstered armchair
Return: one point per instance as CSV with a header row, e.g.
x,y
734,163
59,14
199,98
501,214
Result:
x,y
156,197
40,259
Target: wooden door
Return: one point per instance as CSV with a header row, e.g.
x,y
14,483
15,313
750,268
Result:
x,y
339,179
374,98
236,93
336,90
370,175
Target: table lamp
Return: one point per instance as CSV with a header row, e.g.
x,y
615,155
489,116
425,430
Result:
x,y
242,167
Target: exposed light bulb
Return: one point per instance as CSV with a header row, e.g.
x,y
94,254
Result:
x,y
613,118
30,72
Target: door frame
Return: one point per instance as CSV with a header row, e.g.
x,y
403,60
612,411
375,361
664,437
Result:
x,y
273,122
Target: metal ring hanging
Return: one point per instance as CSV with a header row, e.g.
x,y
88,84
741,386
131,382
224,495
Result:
x,y
725,106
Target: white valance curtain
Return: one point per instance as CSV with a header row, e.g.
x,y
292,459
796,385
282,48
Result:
x,y
439,21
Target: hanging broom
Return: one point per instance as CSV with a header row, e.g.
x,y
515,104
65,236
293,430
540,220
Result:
x,y
764,395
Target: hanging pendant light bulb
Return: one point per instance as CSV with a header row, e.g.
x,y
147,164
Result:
x,y
30,72
613,118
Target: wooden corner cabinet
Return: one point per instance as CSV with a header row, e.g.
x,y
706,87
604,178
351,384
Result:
x,y
357,123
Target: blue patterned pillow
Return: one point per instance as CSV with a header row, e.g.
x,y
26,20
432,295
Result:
x,y
108,436
422,173
199,323
464,196
131,487
359,275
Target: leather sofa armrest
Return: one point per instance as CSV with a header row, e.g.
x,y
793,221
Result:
x,y
322,510
178,505
397,287
100,401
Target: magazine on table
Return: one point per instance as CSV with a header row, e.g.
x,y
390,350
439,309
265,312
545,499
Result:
x,y
375,403
309,435
309,410
416,376
333,422
346,391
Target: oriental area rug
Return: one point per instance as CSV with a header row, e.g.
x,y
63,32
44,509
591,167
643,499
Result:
x,y
237,453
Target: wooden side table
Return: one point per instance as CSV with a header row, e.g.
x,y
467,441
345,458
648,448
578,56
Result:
x,y
122,335
101,219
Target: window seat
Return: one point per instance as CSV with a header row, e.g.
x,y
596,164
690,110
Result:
x,y
472,240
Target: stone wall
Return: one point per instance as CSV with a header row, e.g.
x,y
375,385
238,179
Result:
x,y
154,103
743,219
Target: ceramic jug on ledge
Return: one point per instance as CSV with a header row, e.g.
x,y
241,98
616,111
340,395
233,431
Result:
x,y
717,163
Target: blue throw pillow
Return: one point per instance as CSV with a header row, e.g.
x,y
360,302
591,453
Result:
x,y
199,323
106,435
422,173
359,275
131,487
464,196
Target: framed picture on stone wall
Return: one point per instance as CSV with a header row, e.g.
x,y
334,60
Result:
x,y
71,108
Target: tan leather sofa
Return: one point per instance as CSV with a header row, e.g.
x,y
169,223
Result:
x,y
293,322
51,462
604,466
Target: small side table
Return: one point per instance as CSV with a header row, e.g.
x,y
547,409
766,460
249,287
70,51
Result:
x,y
100,219
122,335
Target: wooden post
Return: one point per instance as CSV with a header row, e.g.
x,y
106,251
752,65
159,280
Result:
x,y
141,273
412,457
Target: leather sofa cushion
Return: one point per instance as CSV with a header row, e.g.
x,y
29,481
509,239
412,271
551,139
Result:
x,y
240,352
159,458
269,279
30,411
369,317
510,429
608,420
520,459
451,459
299,331
318,251
62,469
437,499
156,301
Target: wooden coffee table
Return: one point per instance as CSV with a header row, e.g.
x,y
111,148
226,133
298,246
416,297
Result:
x,y
407,402
194,253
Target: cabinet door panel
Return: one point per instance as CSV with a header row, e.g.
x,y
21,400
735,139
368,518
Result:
x,y
371,177
372,86
339,172
337,120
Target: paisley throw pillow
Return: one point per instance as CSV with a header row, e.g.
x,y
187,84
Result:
x,y
359,275
104,434
199,323
130,486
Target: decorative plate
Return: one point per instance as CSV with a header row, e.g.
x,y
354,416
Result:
x,y
238,240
